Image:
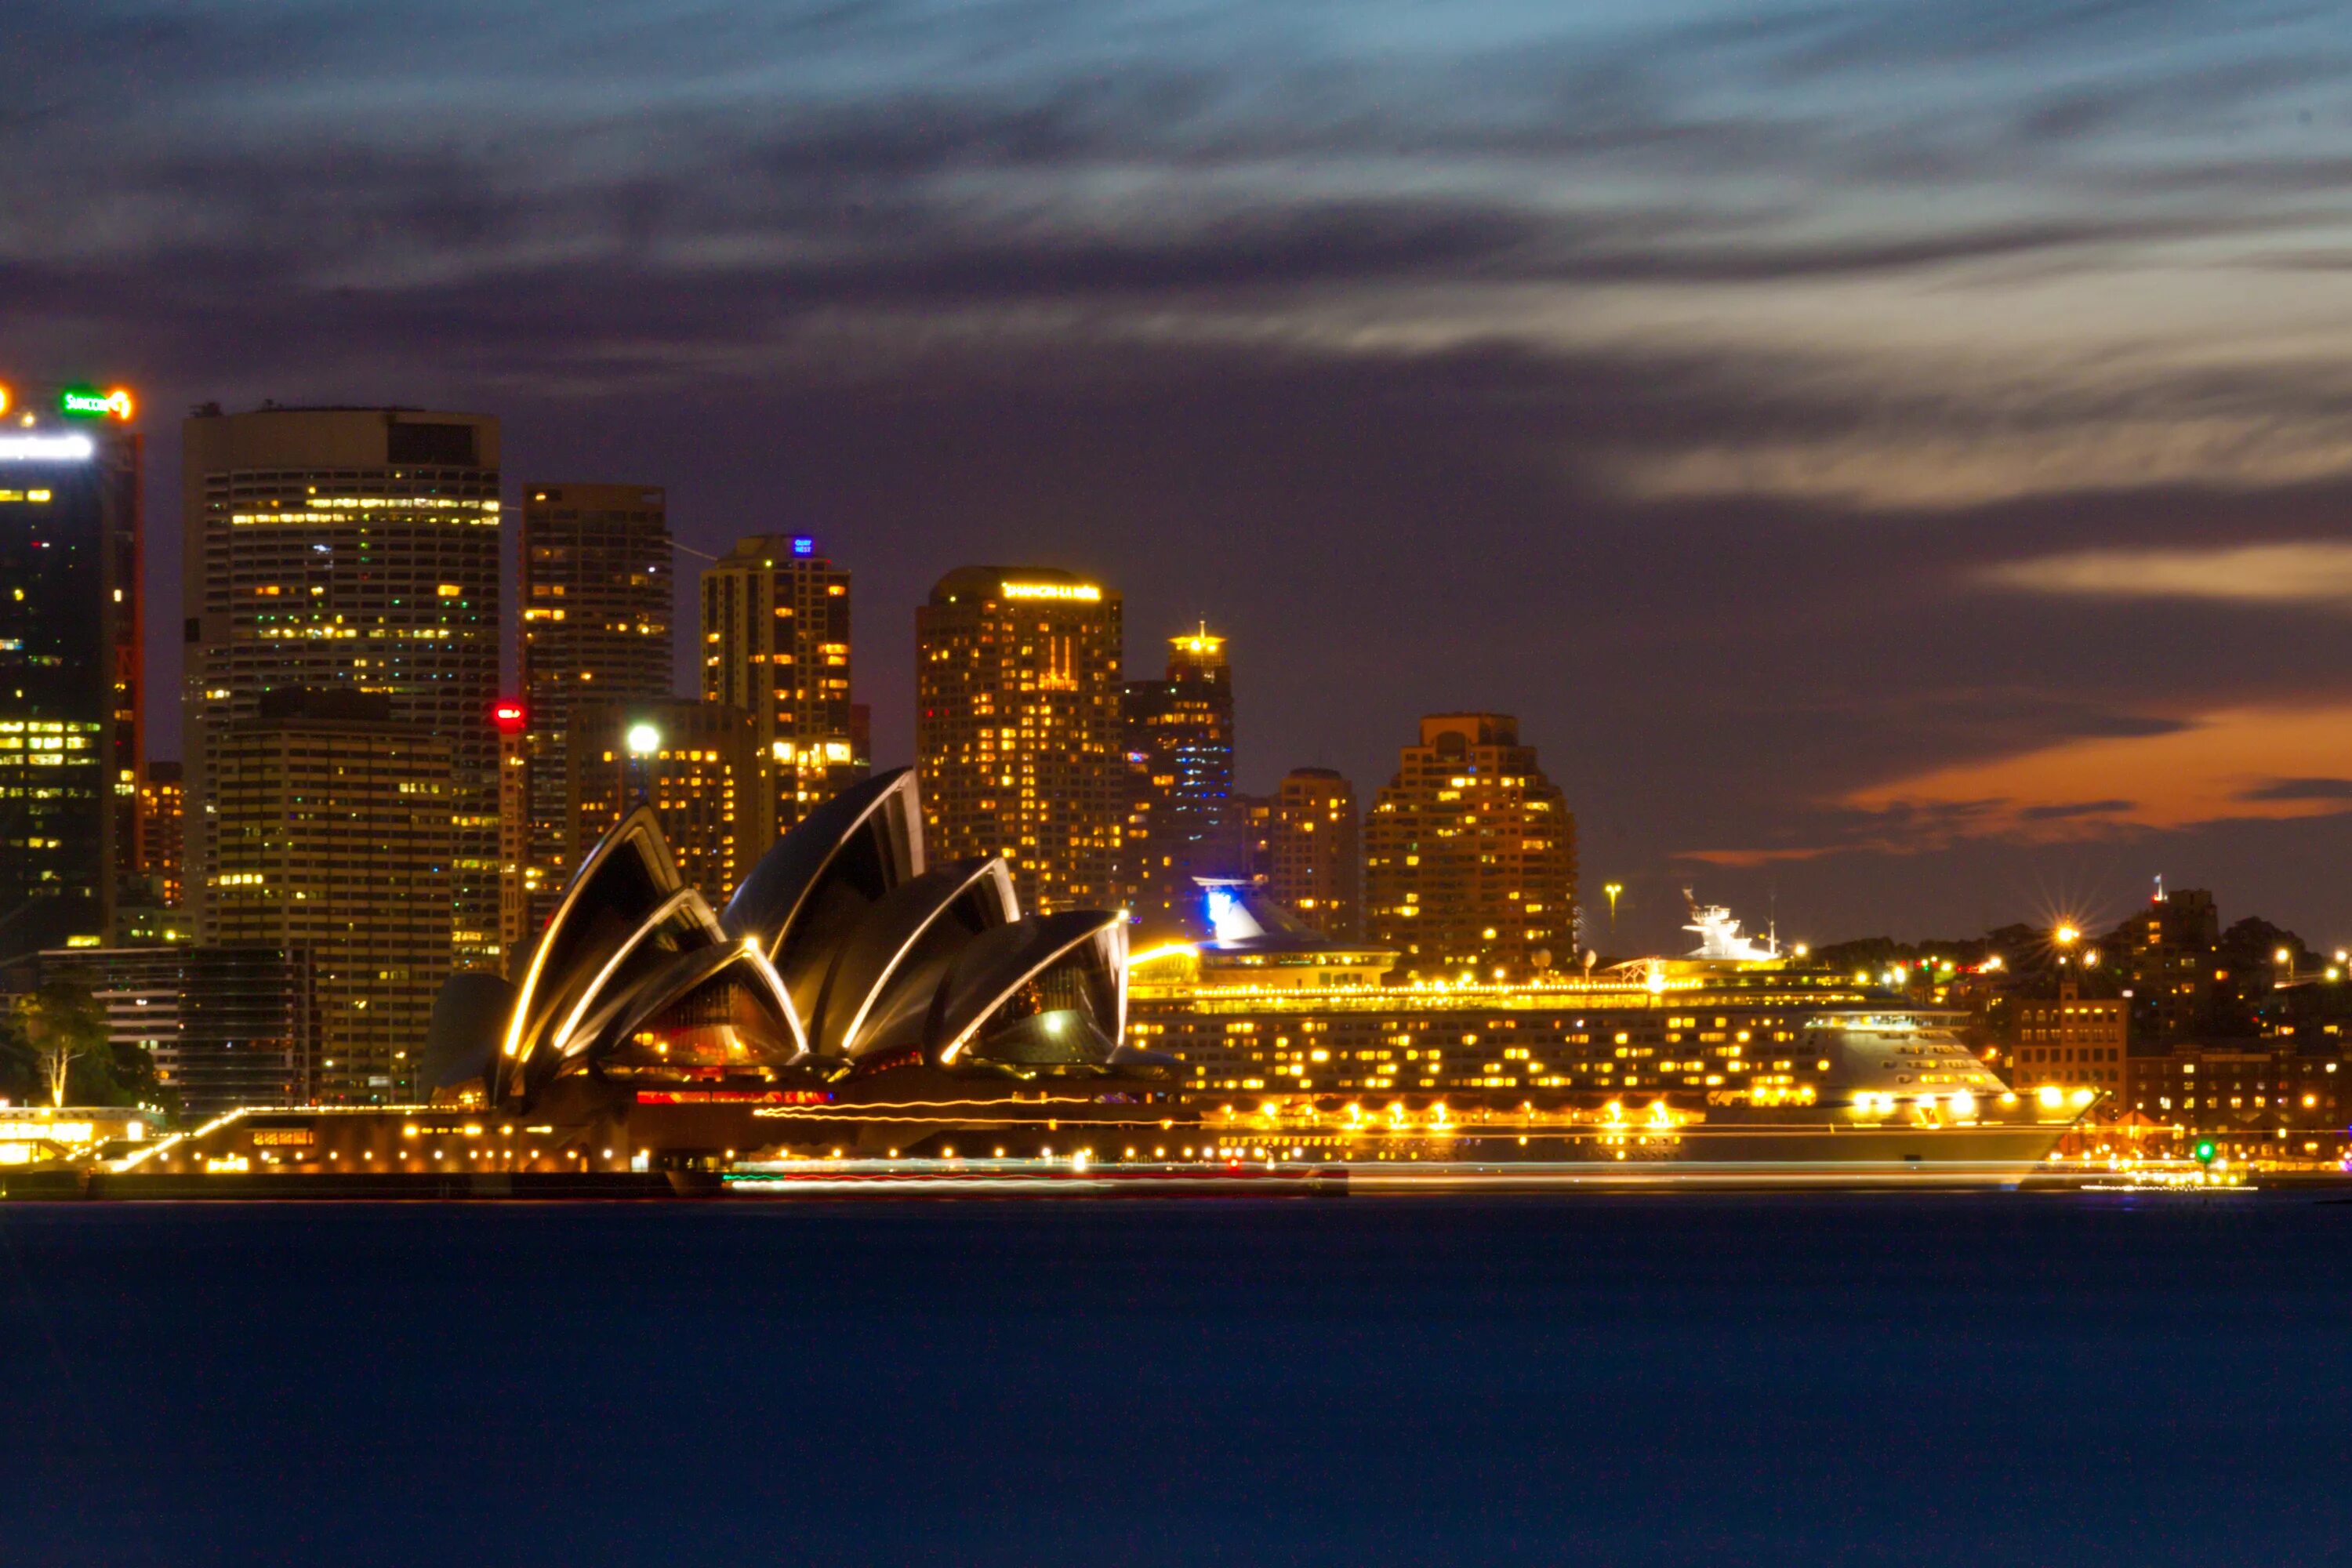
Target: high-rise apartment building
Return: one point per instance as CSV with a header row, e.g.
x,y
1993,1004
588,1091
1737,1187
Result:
x,y
1470,855
163,831
1317,853
1249,837
2169,955
699,766
336,834
354,549
596,597
69,671
1018,732
775,643
1180,775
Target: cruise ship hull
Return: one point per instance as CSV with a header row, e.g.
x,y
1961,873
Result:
x,y
1722,1139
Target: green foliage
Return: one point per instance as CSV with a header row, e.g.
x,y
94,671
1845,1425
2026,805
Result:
x,y
20,1070
59,1042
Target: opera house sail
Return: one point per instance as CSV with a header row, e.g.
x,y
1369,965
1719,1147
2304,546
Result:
x,y
848,993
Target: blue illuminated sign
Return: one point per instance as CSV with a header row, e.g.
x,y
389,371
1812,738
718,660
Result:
x,y
803,545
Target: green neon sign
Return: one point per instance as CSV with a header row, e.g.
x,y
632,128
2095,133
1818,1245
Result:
x,y
88,403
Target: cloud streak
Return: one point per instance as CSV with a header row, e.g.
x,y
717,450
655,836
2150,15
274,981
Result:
x,y
2311,572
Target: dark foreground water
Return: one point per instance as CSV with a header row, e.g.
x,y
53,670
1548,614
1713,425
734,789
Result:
x,y
1980,1380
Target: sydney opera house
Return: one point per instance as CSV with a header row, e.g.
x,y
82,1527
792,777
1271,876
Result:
x,y
848,995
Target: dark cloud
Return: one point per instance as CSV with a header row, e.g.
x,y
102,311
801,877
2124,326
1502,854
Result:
x,y
2301,789
2075,810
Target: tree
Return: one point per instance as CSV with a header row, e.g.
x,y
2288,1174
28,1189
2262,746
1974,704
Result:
x,y
60,1025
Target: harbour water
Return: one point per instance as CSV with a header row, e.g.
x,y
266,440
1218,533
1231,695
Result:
x,y
1925,1378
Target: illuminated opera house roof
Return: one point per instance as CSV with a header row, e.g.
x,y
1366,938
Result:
x,y
842,955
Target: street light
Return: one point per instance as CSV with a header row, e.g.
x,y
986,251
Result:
x,y
2067,936
1613,889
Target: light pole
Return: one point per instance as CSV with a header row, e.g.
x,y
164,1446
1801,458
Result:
x,y
1613,889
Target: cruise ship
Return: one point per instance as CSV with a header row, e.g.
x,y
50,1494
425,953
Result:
x,y
1733,1056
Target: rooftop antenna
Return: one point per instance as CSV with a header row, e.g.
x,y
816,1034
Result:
x,y
2159,887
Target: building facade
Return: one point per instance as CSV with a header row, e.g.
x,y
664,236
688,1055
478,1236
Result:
x,y
1470,855
354,549
1018,730
163,832
699,766
138,989
248,1030
596,595
69,677
515,879
2265,1097
2071,1041
337,835
2167,954
1317,853
224,1026
775,644
1180,775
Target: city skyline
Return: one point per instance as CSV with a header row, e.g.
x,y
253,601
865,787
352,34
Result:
x,y
1582,767
1654,401
1654,910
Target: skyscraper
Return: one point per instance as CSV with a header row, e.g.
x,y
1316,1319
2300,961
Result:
x,y
163,831
1180,771
775,643
1470,855
335,833
699,766
70,669
515,926
1317,859
356,549
595,593
1017,728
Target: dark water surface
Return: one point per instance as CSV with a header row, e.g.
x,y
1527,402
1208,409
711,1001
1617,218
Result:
x,y
1928,1379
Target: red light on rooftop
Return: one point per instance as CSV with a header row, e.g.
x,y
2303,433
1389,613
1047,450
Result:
x,y
508,717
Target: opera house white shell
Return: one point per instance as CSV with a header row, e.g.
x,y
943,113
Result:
x,y
843,956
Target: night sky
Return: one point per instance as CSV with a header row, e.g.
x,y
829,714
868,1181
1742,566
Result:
x,y
1893,459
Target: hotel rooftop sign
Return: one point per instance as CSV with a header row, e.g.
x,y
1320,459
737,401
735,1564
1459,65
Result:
x,y
1083,591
